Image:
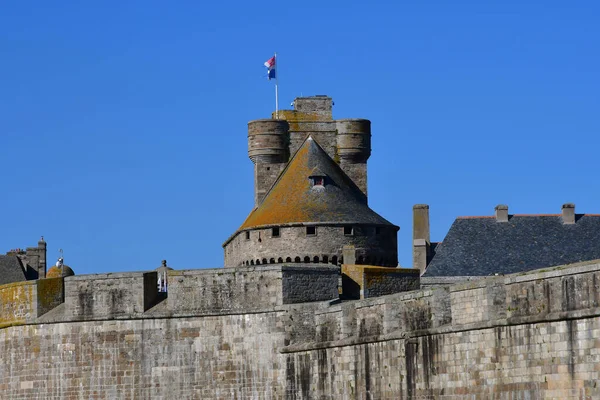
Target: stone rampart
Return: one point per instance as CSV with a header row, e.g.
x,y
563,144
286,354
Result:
x,y
23,302
522,336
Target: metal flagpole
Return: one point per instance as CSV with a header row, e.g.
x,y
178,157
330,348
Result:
x,y
276,87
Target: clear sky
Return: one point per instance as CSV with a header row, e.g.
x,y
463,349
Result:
x,y
123,124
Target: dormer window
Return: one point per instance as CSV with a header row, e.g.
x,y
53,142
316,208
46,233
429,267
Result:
x,y
317,178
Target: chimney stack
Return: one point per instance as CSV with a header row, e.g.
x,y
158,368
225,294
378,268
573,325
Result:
x,y
568,213
421,239
501,213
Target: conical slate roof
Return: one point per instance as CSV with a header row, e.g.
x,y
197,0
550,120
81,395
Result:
x,y
293,199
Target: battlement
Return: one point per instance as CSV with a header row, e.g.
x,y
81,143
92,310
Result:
x,y
538,330
134,295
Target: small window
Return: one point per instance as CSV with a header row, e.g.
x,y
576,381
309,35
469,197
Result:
x,y
317,180
348,230
275,232
311,230
247,235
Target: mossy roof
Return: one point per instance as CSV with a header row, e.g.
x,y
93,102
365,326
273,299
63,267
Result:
x,y
293,199
55,272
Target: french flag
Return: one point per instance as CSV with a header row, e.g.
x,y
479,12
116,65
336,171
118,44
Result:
x,y
270,64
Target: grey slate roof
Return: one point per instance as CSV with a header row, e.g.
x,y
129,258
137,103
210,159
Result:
x,y
480,246
11,270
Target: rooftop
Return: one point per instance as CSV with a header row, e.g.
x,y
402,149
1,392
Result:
x,y
480,246
293,198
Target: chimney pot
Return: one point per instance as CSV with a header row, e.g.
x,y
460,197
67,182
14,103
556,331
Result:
x,y
501,213
568,213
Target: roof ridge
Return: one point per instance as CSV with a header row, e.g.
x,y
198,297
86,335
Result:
x,y
523,215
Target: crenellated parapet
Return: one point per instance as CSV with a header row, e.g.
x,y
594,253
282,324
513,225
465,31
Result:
x,y
253,331
135,295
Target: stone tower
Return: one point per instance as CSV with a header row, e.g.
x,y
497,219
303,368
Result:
x,y
310,192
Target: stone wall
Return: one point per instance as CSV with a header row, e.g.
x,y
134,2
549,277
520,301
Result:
x,y
294,244
118,295
364,281
214,357
22,302
528,336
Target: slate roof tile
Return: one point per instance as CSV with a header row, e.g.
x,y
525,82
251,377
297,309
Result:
x,y
480,246
11,270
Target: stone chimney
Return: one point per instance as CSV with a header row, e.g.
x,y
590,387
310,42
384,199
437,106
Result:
x,y
42,251
568,213
501,213
421,240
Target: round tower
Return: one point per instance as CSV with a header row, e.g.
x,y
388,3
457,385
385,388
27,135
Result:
x,y
354,140
268,141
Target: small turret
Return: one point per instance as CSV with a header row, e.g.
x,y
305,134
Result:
x,y
354,139
268,141
268,148
354,149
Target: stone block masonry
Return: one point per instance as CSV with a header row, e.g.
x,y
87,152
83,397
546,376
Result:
x,y
364,281
529,336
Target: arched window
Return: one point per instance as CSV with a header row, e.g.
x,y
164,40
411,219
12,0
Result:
x,y
334,260
297,259
280,260
288,259
252,262
316,259
257,261
307,259
325,259
272,261
264,261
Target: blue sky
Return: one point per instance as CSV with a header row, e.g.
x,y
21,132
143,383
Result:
x,y
123,124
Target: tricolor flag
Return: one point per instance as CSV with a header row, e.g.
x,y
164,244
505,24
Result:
x,y
270,64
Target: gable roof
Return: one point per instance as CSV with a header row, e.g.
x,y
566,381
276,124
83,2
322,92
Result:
x,y
480,246
11,270
293,199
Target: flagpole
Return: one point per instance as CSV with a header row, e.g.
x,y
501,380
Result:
x,y
276,87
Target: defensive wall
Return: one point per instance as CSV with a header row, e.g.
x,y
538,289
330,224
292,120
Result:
x,y
279,332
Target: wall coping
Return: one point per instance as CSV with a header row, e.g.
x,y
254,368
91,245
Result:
x,y
109,275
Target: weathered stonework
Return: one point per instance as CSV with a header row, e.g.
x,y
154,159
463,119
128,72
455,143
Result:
x,y
522,336
374,245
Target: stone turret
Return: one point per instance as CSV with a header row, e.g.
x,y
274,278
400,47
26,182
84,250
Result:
x,y
354,149
268,148
310,192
